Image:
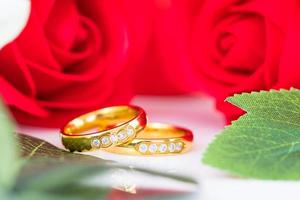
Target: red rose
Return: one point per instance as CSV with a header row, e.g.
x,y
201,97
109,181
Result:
x,y
231,46
237,47
71,58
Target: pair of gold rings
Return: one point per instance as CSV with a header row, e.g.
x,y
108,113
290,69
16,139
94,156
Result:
x,y
124,130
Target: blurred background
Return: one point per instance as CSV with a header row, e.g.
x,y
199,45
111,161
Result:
x,y
75,56
179,59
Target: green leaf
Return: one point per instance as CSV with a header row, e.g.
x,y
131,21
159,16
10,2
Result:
x,y
49,167
38,150
59,175
34,148
55,172
265,142
82,192
9,160
173,196
181,178
75,193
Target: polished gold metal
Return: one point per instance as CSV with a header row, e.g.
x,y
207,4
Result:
x,y
157,139
103,128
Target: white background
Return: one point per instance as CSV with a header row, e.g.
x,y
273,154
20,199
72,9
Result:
x,y
13,17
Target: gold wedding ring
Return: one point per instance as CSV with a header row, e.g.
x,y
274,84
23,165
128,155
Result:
x,y
157,139
103,128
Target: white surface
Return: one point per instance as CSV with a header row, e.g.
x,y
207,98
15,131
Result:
x,y
13,17
199,115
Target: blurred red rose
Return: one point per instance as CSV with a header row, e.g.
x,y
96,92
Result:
x,y
231,46
71,58
164,69
248,46
237,46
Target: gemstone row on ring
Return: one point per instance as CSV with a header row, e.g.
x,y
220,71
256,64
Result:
x,y
159,148
113,138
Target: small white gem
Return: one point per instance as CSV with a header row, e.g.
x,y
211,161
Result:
x,y
91,118
163,148
130,131
105,140
78,122
113,138
122,135
143,148
95,143
179,146
171,147
153,148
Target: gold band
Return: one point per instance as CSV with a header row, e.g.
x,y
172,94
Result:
x,y
157,139
103,128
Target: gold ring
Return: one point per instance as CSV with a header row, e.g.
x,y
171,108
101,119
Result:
x,y
103,128
157,139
